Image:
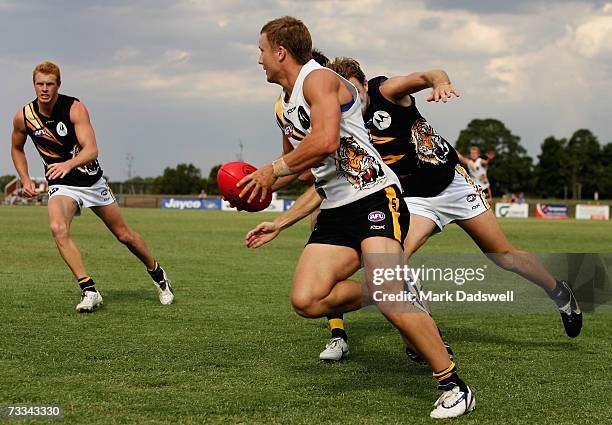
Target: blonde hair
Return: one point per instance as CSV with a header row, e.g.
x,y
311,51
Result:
x,y
47,67
292,34
348,68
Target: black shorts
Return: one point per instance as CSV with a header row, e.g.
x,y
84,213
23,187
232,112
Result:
x,y
383,213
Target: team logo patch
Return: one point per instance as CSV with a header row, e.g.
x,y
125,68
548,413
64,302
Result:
x,y
381,120
471,198
61,129
376,216
304,118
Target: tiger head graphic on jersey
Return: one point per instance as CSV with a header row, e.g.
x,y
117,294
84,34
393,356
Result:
x,y
429,145
353,162
91,168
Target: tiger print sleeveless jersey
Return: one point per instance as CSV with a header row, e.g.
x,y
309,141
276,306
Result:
x,y
421,158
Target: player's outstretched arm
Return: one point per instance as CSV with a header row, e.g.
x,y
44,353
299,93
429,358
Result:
x,y
267,231
18,140
490,156
87,140
462,158
398,89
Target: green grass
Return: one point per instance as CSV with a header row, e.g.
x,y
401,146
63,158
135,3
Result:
x,y
231,350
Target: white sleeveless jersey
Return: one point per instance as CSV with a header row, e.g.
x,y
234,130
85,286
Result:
x,y
355,170
479,173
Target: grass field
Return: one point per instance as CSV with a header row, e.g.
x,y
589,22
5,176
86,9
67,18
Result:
x,y
231,350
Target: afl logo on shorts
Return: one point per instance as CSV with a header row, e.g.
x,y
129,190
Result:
x,y
381,120
288,130
61,129
471,198
376,216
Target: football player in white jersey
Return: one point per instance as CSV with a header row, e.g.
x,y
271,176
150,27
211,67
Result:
x,y
477,167
361,213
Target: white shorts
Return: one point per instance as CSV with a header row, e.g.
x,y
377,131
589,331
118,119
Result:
x,y
97,195
461,200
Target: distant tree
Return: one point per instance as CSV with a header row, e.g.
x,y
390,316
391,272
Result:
x,y
512,168
583,163
551,172
605,179
182,180
210,184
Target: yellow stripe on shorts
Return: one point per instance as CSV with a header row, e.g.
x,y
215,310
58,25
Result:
x,y
394,208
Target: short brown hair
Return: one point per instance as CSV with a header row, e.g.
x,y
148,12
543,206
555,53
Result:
x,y
348,68
292,34
47,67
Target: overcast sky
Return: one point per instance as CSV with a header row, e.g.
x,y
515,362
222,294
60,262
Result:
x,y
178,81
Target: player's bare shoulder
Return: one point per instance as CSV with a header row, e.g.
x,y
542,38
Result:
x,y
19,122
320,81
78,112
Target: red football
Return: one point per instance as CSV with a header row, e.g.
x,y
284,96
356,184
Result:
x,y
227,177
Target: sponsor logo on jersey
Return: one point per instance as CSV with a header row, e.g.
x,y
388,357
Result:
x,y
376,216
471,198
42,132
304,118
377,227
381,120
61,129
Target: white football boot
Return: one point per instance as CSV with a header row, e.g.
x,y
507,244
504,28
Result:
x,y
89,301
335,350
164,290
453,403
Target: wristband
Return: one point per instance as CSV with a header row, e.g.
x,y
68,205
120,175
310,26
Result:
x,y
280,167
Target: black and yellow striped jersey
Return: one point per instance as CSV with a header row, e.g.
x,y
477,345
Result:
x,y
422,159
56,141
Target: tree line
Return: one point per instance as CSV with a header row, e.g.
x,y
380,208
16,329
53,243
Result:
x,y
574,167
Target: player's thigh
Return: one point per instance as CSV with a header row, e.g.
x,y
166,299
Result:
x,y
112,218
61,210
485,230
421,228
320,267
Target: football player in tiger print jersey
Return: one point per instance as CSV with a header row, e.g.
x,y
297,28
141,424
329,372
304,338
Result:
x,y
62,133
437,190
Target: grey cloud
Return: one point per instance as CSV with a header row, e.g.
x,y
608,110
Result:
x,y
502,7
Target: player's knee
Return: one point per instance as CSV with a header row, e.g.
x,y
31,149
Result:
x,y
305,306
59,229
